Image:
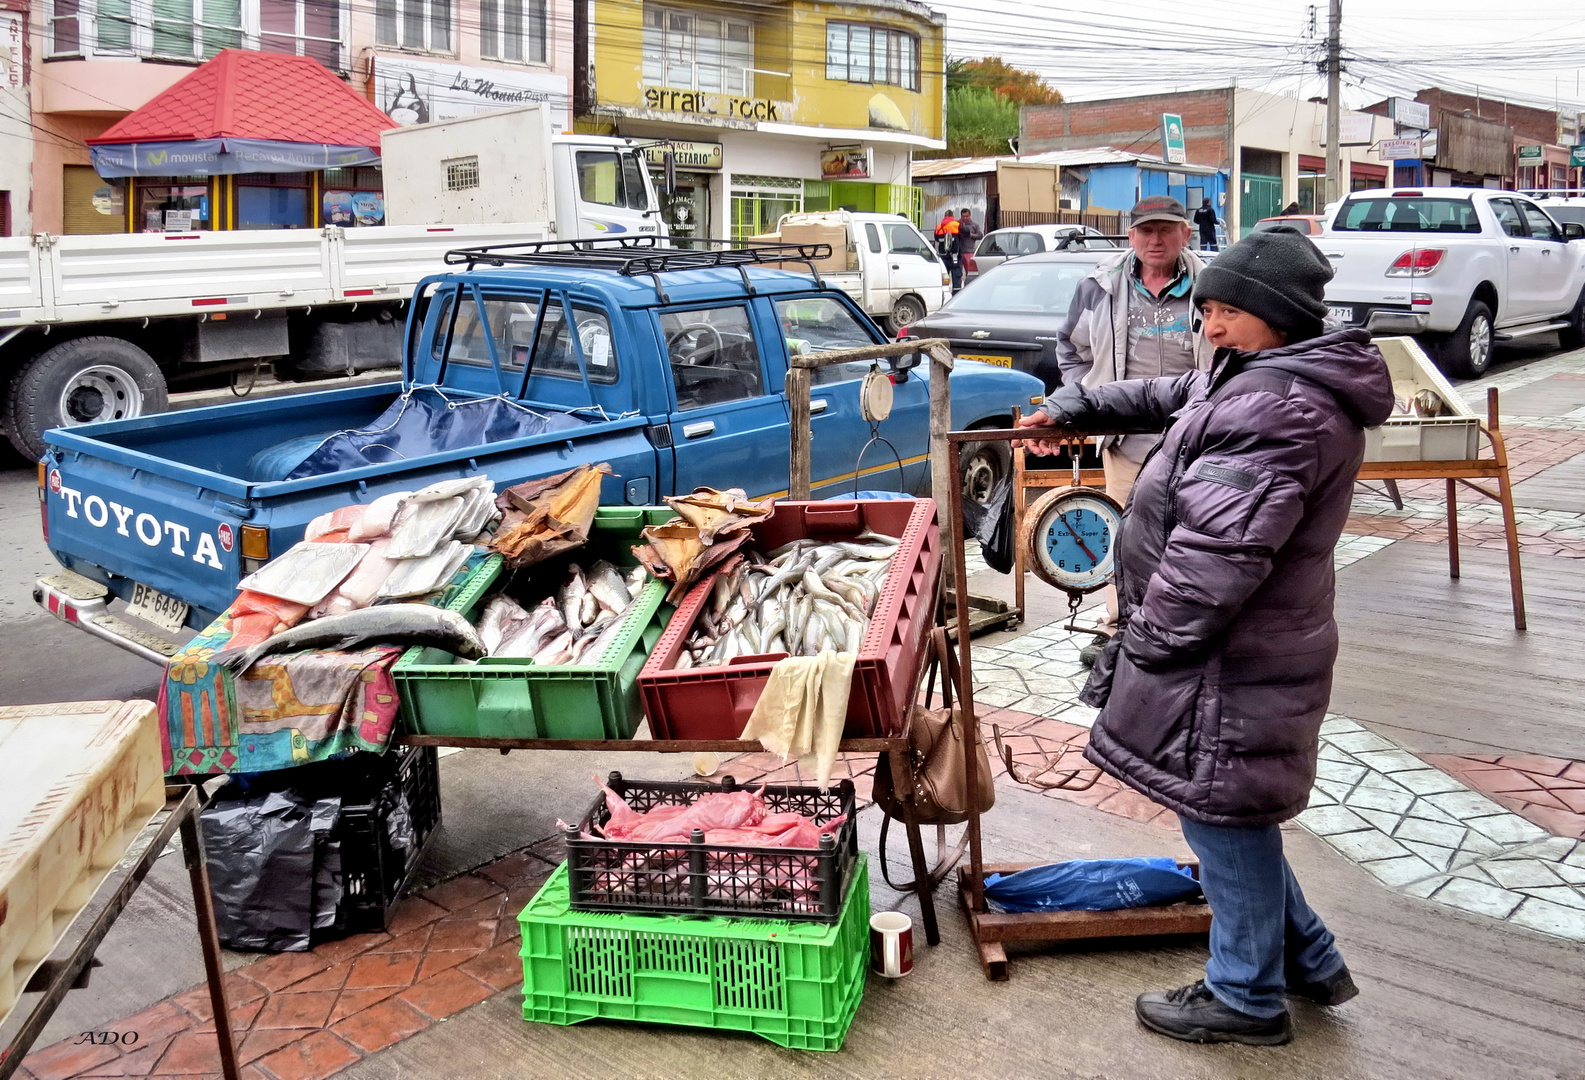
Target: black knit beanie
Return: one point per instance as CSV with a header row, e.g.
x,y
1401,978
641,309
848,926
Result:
x,y
1279,276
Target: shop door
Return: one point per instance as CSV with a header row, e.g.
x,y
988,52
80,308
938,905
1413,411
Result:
x,y
687,209
1262,199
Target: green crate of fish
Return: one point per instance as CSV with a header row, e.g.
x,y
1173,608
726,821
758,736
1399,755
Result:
x,y
796,984
592,696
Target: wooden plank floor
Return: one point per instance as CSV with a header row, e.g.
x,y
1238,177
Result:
x,y
1562,487
1437,665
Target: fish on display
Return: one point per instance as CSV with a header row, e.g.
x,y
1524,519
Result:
x,y
801,599
574,625
388,624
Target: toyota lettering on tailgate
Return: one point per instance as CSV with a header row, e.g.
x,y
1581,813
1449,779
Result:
x,y
127,521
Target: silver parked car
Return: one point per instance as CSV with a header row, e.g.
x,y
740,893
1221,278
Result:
x,y
997,247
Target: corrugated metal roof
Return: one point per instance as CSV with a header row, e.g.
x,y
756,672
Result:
x,y
255,95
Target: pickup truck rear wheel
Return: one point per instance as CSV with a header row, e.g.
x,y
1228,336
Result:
x,y
1466,352
985,464
78,382
1572,336
907,311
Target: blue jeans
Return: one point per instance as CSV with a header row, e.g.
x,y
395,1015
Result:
x,y
1262,929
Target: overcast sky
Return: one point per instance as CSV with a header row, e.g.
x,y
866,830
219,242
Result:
x,y
1531,52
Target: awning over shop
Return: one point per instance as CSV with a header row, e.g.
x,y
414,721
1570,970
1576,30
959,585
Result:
x,y
219,157
245,112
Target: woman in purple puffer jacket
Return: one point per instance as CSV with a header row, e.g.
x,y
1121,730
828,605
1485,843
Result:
x,y
1212,695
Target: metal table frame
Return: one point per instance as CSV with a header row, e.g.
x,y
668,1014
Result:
x,y
61,973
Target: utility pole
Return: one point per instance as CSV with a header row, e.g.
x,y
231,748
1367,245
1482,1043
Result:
x,y
1334,87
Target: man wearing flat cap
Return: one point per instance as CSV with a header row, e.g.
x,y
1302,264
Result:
x,y
1132,319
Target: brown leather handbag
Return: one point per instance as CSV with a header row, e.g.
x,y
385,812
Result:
x,y
936,789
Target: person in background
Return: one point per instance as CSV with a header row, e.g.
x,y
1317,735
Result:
x,y
1132,319
948,237
1205,218
1291,209
969,233
1213,692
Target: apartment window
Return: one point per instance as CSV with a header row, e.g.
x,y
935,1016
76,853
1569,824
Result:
x,y
512,30
689,51
413,24
197,29
302,28
871,54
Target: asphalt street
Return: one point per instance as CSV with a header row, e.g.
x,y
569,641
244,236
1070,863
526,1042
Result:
x,y
47,660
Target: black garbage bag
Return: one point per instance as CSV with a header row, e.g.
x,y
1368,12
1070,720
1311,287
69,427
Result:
x,y
991,523
328,878
260,852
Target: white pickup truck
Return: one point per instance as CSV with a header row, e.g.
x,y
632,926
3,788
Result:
x,y
97,327
880,260
1461,268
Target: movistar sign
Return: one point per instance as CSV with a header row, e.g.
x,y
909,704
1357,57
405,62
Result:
x,y
221,157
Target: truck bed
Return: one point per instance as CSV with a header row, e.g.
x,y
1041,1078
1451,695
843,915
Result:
x,y
66,279
168,495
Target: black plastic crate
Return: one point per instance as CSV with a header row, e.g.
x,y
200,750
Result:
x,y
375,869
804,884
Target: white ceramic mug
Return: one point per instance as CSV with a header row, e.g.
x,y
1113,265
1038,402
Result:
x,y
891,944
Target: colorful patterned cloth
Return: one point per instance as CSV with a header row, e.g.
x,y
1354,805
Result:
x,y
286,711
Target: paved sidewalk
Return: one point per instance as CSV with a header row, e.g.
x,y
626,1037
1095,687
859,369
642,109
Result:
x,y
1445,844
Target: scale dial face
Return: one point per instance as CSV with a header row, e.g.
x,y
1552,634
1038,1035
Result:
x,y
1070,537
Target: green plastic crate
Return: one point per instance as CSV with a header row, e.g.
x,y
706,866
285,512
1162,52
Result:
x,y
513,698
796,984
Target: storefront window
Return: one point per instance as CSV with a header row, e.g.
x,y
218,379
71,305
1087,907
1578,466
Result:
x,y
1312,192
352,197
173,204
91,204
273,201
758,202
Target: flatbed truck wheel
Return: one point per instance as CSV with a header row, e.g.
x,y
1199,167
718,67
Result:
x,y
81,381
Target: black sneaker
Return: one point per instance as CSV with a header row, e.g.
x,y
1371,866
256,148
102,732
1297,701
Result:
x,y
1194,1014
1330,991
1092,652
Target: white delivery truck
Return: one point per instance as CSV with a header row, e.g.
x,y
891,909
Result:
x,y
98,327
880,260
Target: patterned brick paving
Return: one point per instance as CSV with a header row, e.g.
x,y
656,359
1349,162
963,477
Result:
x,y
306,1016
1547,791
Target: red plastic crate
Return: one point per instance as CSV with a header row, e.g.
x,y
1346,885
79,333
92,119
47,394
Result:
x,y
715,703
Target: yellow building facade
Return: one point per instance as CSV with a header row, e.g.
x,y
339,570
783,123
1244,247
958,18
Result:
x,y
749,111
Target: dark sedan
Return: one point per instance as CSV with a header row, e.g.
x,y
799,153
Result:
x,y
1010,315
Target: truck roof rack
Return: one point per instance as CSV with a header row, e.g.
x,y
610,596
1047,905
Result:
x,y
635,255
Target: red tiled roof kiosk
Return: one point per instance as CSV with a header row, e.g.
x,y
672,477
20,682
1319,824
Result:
x,y
249,140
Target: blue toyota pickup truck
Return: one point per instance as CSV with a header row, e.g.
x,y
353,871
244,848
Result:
x,y
525,362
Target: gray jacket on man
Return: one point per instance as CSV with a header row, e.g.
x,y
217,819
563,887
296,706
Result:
x,y
1091,345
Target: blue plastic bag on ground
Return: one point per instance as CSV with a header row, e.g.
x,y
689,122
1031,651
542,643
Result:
x,y
1091,885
